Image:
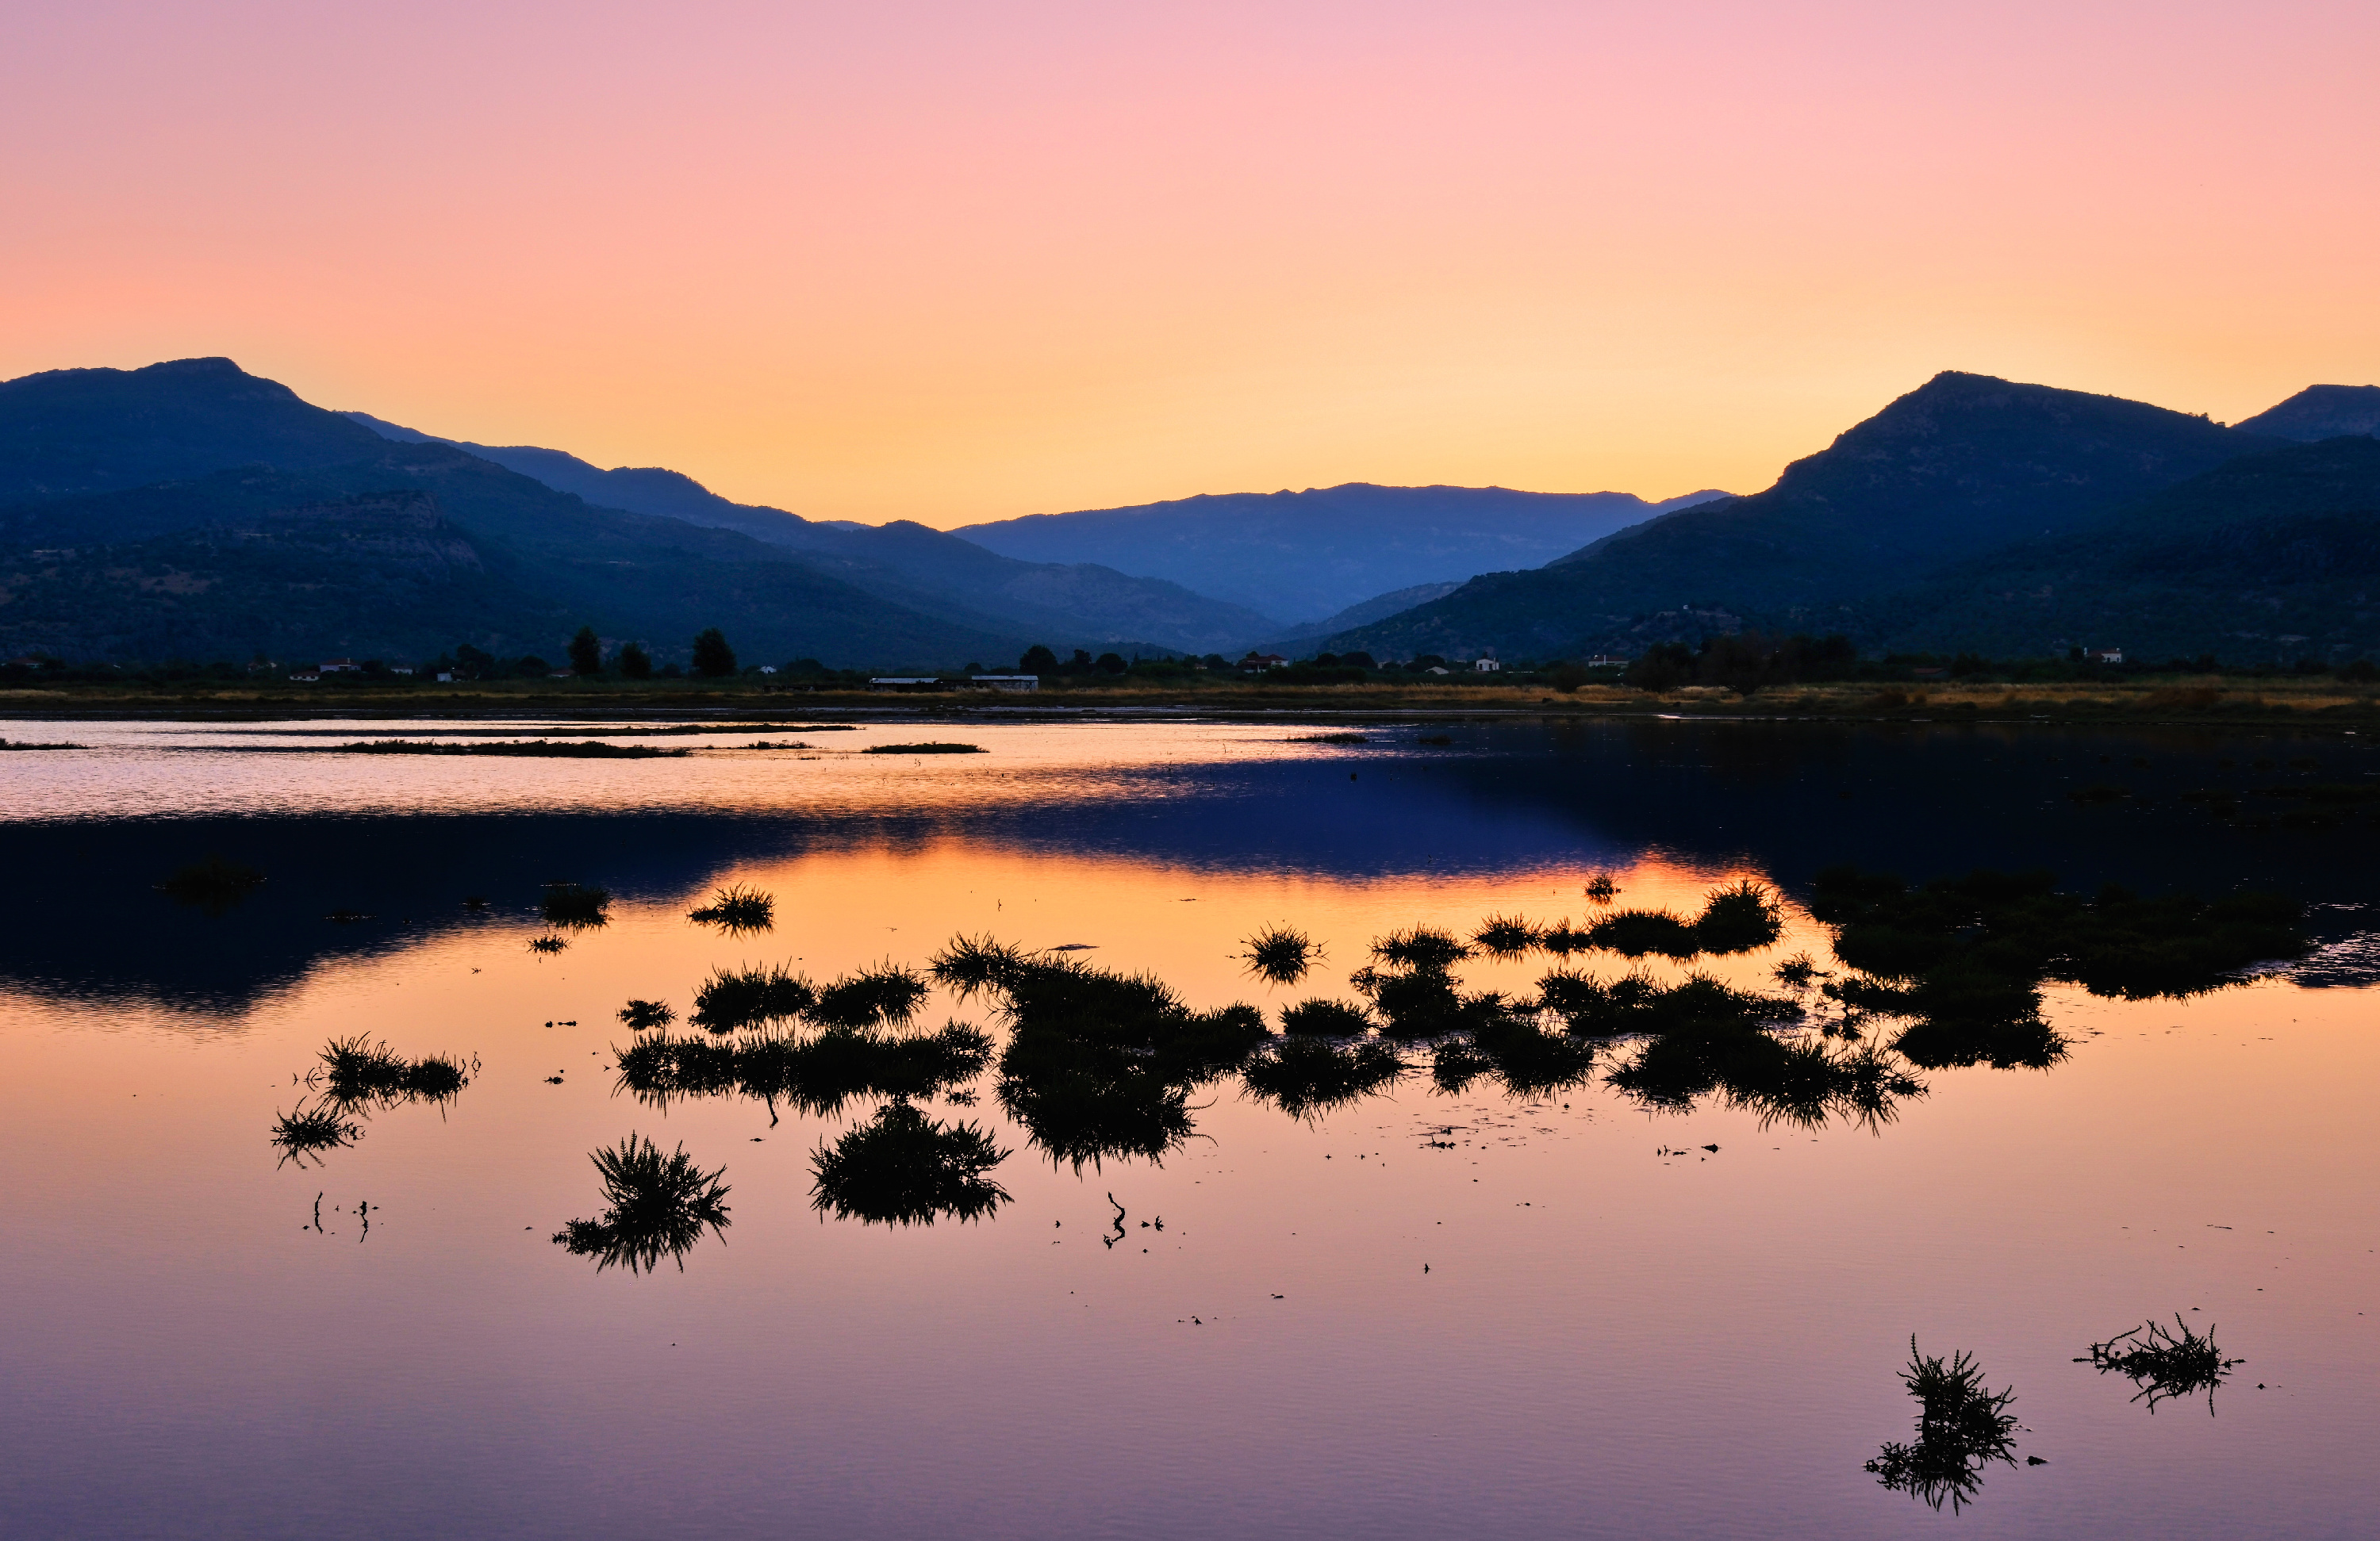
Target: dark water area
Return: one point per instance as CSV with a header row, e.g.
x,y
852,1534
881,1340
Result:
x,y
386,1152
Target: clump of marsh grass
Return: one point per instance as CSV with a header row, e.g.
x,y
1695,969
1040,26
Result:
x,y
549,943
641,1014
1529,1060
1422,947
1561,938
2164,1365
1325,1019
1307,1075
819,1075
1796,972
1602,888
903,1168
1280,954
1742,917
1636,933
1505,935
924,749
311,1128
751,997
214,885
1963,1426
658,1205
972,965
737,910
577,905
887,995
360,1069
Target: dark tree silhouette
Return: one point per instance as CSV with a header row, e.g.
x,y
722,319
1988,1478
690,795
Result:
x,y
635,662
714,659
1038,659
587,652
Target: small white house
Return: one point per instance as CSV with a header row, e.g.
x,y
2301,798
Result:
x,y
2106,655
1485,666
339,666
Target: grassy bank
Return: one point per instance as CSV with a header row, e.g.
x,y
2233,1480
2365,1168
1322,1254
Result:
x,y
2192,699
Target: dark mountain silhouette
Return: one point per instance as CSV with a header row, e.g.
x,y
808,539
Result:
x,y
911,565
1957,467
2270,557
72,432
2320,412
1302,556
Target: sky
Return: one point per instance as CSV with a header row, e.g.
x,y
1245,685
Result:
x,y
954,263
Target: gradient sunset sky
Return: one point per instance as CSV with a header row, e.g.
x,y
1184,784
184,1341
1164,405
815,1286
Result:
x,y
954,263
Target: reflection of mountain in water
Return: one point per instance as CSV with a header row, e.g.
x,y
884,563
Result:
x,y
1789,799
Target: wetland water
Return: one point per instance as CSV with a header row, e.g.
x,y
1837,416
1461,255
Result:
x,y
1442,1306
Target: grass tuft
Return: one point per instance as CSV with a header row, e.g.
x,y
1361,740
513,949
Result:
x,y
641,1014
1508,937
737,910
1963,1426
311,1128
658,1205
360,1069
887,995
1325,1019
1280,955
903,1168
751,997
2164,1365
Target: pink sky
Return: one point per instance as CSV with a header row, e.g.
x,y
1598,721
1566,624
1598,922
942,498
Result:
x,y
952,262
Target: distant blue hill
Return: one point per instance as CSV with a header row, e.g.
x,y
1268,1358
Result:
x,y
1305,556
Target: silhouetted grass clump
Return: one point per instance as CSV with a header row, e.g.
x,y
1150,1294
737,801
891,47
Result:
x,y
1325,1019
887,995
1504,936
1963,1426
214,885
22,746
311,1128
360,1069
751,997
548,943
1742,917
576,905
924,749
641,1014
903,1168
1099,1064
819,1075
1639,933
1964,958
1528,1060
1280,955
1417,1003
737,910
1306,1075
1423,947
657,1206
1602,888
2164,1365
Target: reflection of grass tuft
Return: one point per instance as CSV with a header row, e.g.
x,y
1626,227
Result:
x,y
1325,1019
309,1129
1422,947
1280,955
737,910
751,997
1305,1076
887,995
548,943
2164,1365
359,1069
659,1205
903,1168
1505,935
1961,1428
576,905
641,1014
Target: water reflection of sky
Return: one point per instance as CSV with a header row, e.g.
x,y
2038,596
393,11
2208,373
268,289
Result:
x,y
1610,1340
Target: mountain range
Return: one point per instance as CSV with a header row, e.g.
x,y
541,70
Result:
x,y
190,509
1924,526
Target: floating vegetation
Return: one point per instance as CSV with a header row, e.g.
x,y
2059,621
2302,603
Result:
x,y
737,910
924,749
361,1069
1507,937
1742,917
1602,888
1305,1076
1423,947
1280,955
536,748
311,1128
1963,959
887,994
1325,1019
577,905
548,943
641,1014
1636,933
819,1075
1961,1428
2164,1365
658,1207
21,746
214,885
751,997
903,1168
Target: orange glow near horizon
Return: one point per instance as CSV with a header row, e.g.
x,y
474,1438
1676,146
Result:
x,y
934,263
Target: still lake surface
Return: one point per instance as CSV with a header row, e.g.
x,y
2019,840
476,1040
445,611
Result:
x,y
1423,1312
